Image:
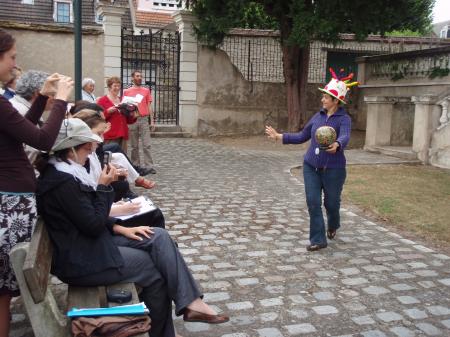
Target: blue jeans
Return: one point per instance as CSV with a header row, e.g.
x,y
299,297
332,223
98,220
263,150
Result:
x,y
331,181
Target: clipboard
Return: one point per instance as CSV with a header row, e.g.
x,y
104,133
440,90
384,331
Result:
x,y
146,206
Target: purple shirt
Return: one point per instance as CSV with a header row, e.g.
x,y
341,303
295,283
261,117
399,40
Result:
x,y
340,121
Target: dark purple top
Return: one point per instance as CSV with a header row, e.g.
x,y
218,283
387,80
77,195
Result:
x,y
16,173
340,121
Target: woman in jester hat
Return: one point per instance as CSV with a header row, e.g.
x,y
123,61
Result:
x,y
324,169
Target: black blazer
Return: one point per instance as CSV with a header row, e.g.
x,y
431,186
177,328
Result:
x,y
78,222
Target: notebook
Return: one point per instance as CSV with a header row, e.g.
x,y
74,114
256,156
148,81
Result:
x,y
132,309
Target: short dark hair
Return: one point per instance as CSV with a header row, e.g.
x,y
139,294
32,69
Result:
x,y
135,71
80,105
7,41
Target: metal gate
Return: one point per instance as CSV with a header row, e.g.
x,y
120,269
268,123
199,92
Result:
x,y
157,57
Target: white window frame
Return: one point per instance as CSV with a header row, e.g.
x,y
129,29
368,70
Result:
x,y
55,11
158,5
28,2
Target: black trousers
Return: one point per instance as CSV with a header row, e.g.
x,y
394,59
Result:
x,y
156,265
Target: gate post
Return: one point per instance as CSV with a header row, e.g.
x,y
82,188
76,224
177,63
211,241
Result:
x,y
112,27
188,111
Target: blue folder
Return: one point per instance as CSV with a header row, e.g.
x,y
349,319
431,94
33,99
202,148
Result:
x,y
133,309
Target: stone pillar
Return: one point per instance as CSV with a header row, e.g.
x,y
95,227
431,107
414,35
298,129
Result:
x,y
188,118
112,25
423,125
379,120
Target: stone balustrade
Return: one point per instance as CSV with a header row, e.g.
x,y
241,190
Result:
x,y
423,65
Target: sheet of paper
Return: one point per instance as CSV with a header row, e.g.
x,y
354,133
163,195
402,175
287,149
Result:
x,y
132,100
146,206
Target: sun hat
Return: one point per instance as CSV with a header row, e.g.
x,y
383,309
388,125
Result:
x,y
74,132
338,87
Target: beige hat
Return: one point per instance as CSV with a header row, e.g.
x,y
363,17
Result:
x,y
74,132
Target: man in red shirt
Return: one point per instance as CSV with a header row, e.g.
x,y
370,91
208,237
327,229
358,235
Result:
x,y
141,129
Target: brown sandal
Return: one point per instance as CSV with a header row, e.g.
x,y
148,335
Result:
x,y
145,183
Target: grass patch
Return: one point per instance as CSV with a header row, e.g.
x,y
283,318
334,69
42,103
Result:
x,y
412,198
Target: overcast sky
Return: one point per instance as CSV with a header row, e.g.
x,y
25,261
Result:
x,y
441,11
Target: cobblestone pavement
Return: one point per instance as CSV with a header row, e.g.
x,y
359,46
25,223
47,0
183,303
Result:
x,y
241,222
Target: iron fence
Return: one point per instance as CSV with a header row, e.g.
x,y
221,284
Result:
x,y
157,57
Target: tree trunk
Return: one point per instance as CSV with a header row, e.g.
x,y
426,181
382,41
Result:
x,y
295,68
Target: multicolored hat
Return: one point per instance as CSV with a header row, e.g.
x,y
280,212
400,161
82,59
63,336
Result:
x,y
338,87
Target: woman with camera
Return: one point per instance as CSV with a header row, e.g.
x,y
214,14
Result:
x,y
95,166
17,179
119,116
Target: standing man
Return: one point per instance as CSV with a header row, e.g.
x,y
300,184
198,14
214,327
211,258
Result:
x,y
140,129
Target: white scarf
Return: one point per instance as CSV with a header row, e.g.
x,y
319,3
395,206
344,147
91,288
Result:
x,y
95,166
76,170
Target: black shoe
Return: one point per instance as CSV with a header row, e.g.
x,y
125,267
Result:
x,y
331,233
313,248
152,170
143,171
130,195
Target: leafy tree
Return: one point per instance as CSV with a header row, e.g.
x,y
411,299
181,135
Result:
x,y
300,22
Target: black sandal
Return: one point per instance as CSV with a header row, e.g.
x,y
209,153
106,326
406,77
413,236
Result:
x,y
331,233
313,248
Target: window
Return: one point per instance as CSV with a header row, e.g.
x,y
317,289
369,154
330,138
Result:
x,y
62,11
168,5
28,2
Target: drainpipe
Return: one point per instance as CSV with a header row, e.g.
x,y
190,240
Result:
x,y
77,23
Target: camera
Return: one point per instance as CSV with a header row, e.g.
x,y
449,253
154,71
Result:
x,y
127,109
107,158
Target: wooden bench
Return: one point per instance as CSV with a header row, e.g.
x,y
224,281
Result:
x,y
31,263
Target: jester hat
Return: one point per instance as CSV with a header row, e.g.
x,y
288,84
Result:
x,y
338,87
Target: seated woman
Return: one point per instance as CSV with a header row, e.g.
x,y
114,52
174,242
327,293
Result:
x,y
98,126
92,249
113,147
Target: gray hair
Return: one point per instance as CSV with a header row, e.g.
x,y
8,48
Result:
x,y
87,80
30,82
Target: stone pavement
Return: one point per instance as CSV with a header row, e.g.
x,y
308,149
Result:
x,y
241,222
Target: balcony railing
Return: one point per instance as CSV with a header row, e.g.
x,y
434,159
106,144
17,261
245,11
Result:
x,y
427,64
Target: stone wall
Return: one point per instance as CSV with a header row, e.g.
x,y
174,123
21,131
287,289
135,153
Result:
x,y
229,104
52,51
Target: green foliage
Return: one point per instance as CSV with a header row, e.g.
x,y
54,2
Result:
x,y
439,72
301,21
253,16
404,33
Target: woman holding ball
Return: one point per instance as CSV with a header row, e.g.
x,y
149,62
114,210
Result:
x,y
324,163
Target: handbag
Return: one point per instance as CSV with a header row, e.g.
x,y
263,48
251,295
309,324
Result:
x,y
110,326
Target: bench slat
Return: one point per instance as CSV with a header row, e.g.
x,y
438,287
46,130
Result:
x,y
83,297
36,268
